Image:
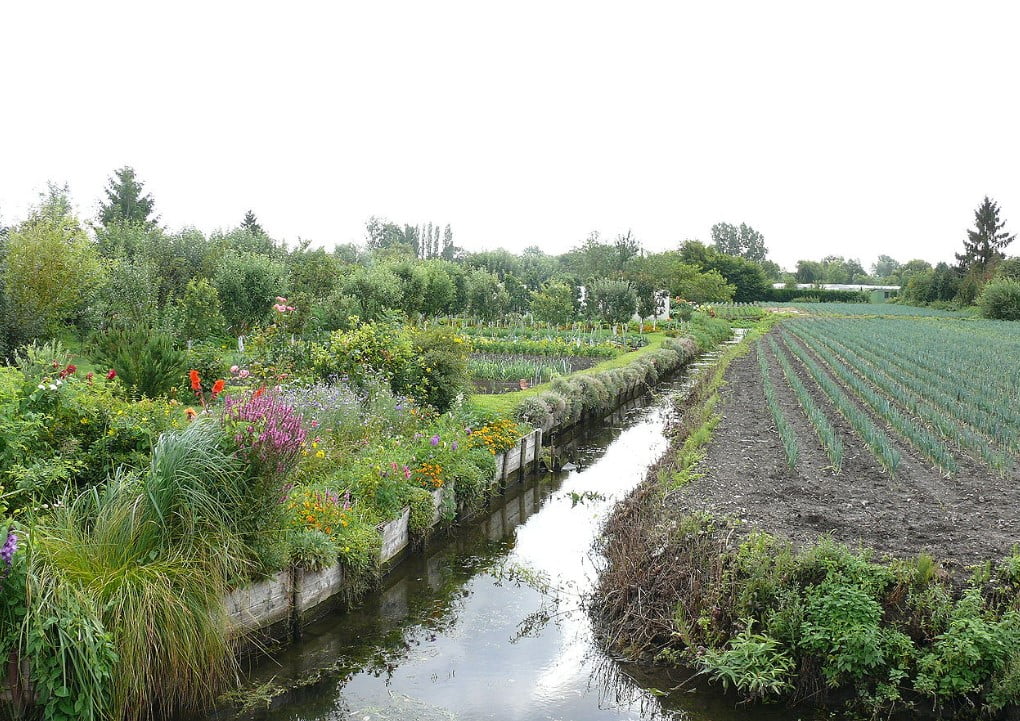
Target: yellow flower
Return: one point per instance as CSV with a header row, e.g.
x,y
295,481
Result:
x,y
320,454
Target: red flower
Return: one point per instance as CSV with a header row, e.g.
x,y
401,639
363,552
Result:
x,y
196,384
71,368
218,387
111,374
258,392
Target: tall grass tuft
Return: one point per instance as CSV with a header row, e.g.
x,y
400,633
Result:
x,y
149,558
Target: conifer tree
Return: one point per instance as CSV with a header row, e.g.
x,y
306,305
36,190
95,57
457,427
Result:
x,y
985,243
251,224
125,201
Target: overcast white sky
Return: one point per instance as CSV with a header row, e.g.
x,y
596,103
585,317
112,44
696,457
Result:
x,y
852,129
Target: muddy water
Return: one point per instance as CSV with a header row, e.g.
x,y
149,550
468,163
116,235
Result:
x,y
488,624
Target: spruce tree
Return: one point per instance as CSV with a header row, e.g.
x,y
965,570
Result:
x,y
251,224
985,243
125,201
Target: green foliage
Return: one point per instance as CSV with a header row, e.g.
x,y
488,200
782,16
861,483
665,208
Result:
x,y
1000,300
145,359
984,245
436,372
611,301
247,284
841,625
198,314
755,664
383,348
52,271
745,241
311,548
973,649
124,200
555,303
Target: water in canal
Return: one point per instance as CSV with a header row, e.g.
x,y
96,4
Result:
x,y
488,623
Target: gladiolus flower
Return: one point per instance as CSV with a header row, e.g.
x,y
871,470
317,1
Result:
x,y
218,387
111,374
196,384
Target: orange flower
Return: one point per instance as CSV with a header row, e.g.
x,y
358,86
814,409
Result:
x,y
190,413
218,387
196,384
258,392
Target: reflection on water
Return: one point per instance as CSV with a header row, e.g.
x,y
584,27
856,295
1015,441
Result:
x,y
488,624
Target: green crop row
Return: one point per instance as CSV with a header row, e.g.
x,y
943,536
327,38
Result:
x,y
964,392
827,435
930,446
920,395
786,432
873,436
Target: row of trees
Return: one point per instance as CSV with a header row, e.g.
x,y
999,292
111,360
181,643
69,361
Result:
x,y
125,269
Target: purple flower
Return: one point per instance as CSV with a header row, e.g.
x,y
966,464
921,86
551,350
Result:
x,y
454,445
434,440
9,547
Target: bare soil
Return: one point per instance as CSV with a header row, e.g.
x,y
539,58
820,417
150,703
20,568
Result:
x,y
961,520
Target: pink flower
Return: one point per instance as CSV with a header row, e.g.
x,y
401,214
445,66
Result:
x,y
233,369
243,373
280,299
279,308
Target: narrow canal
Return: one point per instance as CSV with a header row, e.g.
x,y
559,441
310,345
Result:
x,y
489,624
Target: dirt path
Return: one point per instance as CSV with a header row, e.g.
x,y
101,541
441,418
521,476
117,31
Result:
x,y
963,520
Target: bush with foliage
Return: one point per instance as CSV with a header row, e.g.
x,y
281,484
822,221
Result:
x,y
437,372
146,360
1000,299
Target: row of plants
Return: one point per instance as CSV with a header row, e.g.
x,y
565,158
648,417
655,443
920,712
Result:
x,y
923,440
576,336
495,366
787,434
874,437
827,435
981,422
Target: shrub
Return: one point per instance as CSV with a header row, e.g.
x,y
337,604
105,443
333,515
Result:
x,y
382,348
145,360
1000,299
437,372
247,283
198,315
